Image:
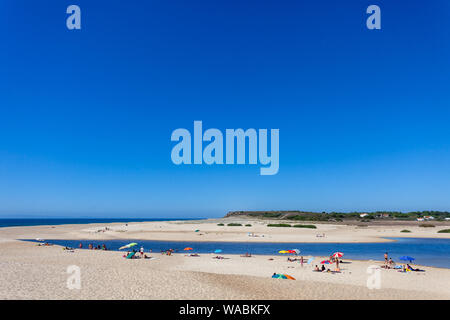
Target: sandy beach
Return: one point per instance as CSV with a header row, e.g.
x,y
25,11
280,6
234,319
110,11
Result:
x,y
40,272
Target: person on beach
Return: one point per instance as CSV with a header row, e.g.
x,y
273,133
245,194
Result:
x,y
391,263
386,258
80,246
142,251
301,261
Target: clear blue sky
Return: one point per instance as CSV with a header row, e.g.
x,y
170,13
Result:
x,y
86,116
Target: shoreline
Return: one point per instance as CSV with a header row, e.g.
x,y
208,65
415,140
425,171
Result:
x,y
233,255
179,230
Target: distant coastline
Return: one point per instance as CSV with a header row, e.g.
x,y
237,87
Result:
x,y
26,222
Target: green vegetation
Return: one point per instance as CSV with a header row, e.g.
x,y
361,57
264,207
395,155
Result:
x,y
426,225
265,214
234,225
444,231
278,225
248,225
309,226
220,224
296,215
405,231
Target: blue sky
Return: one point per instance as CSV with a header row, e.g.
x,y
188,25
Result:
x,y
86,116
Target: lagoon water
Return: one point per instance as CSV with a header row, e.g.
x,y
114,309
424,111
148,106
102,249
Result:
x,y
427,252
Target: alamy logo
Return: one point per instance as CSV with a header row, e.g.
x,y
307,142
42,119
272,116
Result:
x,y
74,278
374,280
235,141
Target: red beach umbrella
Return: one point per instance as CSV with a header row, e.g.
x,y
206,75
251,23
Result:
x,y
338,254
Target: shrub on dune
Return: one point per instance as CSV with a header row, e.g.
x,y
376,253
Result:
x,y
309,226
278,225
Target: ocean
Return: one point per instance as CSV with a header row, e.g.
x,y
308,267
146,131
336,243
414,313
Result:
x,y
59,221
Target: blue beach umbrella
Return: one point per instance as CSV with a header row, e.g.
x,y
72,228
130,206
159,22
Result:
x,y
218,251
407,258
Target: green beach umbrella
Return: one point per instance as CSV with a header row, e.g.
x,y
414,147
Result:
x,y
128,245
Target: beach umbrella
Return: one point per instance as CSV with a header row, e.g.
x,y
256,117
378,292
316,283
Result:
x,y
407,258
338,254
128,245
310,260
279,276
325,262
283,251
289,277
218,251
187,248
296,251
197,230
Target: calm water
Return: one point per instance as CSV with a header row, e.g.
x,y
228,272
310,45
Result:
x,y
52,222
428,252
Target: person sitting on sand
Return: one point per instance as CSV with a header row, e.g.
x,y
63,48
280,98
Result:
x,y
323,268
391,263
316,268
412,269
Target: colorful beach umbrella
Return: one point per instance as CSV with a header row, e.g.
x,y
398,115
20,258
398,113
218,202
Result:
x,y
296,251
279,276
283,251
325,262
338,254
128,245
282,276
187,248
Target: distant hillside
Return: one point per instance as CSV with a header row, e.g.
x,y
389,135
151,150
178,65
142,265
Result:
x,y
341,216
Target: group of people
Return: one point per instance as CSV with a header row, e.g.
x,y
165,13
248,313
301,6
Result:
x,y
137,255
390,264
322,269
92,247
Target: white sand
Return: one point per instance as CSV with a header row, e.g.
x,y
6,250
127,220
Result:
x,y
33,272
